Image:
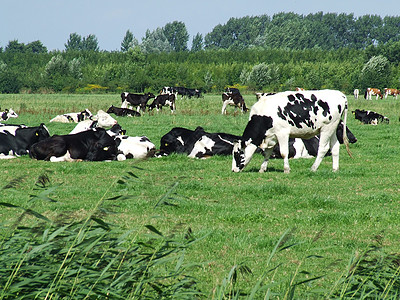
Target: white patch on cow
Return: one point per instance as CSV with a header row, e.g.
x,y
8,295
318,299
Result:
x,y
11,129
65,157
301,150
9,156
103,119
180,140
137,146
201,146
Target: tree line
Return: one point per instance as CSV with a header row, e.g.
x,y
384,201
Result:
x,y
253,53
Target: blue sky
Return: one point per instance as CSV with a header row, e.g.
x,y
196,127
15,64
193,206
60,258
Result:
x,y
52,21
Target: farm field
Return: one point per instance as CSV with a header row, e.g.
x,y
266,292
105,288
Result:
x,y
330,216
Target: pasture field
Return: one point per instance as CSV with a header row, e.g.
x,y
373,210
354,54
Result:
x,y
330,216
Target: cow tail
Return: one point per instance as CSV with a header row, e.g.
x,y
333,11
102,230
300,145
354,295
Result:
x,y
345,139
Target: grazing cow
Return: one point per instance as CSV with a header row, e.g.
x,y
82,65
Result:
x,y
100,120
369,92
210,144
232,90
276,118
163,100
91,145
73,117
391,92
122,112
134,147
307,148
167,90
369,117
136,100
196,143
356,93
16,140
7,114
233,99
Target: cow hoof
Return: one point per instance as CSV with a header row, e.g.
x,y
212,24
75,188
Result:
x,y
286,171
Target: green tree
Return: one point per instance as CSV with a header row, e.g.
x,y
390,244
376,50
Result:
x,y
375,73
262,75
74,43
129,42
155,42
15,47
36,47
176,35
197,42
90,43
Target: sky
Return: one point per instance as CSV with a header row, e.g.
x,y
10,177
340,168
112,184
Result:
x,y
52,21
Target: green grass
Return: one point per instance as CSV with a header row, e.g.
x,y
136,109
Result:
x,y
330,216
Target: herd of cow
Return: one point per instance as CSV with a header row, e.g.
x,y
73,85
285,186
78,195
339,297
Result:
x,y
293,124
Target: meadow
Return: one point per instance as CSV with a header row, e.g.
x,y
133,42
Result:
x,y
275,230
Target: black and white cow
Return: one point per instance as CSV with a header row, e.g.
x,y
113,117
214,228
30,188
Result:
x,y
136,100
276,118
7,114
16,140
196,143
73,117
122,112
163,100
137,147
308,148
369,117
91,145
233,99
100,120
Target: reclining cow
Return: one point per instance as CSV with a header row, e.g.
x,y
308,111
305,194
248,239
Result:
x,y
7,114
122,112
73,117
91,145
100,120
16,140
276,118
134,147
369,117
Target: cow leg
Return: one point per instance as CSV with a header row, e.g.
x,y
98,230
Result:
x,y
267,154
335,146
323,148
284,150
224,107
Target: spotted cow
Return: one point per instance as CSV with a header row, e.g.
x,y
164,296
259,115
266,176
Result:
x,y
369,117
234,99
7,114
391,92
369,92
276,118
73,117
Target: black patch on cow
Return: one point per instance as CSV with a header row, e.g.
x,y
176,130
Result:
x,y
144,139
256,129
297,110
238,156
325,107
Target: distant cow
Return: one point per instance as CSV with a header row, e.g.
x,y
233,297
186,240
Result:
x,y
122,112
7,114
369,117
73,117
356,93
136,147
369,92
163,100
196,143
276,118
100,120
91,145
391,92
308,148
136,100
233,99
16,140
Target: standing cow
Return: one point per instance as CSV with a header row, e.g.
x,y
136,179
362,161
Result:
x,y
276,118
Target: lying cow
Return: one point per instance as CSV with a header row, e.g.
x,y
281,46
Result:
x,y
122,112
73,117
276,118
136,147
135,100
308,148
91,145
163,100
196,143
16,140
234,99
369,117
100,120
7,114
